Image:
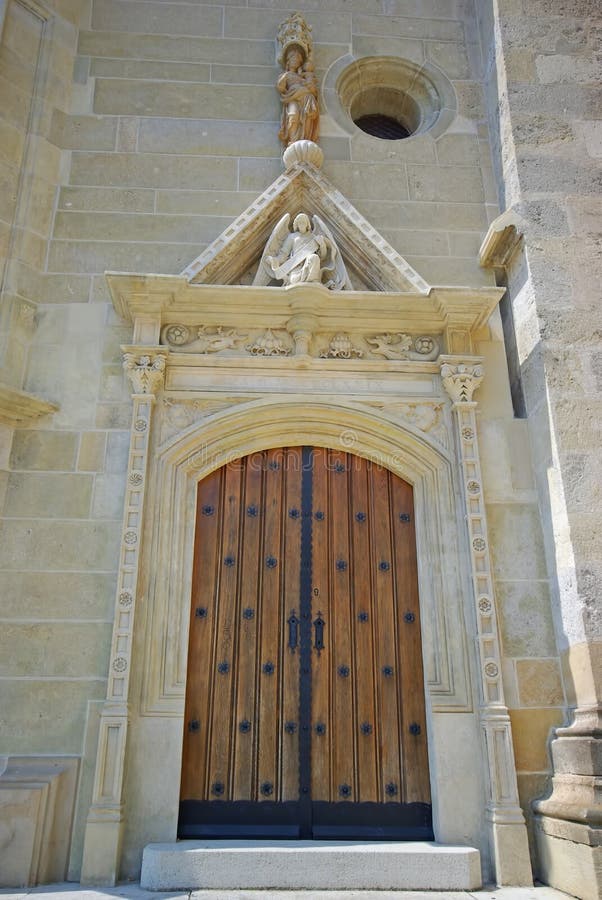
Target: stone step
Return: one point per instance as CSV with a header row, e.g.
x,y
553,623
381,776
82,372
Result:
x,y
309,865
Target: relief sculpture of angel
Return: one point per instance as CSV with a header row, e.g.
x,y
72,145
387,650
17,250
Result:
x,y
307,254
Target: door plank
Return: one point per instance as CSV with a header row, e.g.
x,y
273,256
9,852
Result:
x,y
363,624
269,661
245,728
411,682
388,656
323,738
201,637
343,674
223,711
291,561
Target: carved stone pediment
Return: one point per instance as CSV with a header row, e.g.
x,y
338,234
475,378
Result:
x,y
370,260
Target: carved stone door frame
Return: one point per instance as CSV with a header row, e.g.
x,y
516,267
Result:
x,y
396,413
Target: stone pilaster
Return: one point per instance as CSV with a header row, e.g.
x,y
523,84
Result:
x,y
507,831
145,367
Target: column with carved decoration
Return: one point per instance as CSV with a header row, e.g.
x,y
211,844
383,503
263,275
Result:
x,y
507,830
145,367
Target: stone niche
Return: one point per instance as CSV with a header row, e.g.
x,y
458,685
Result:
x,y
37,795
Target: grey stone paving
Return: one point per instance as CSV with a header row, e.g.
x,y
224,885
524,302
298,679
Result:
x,y
72,891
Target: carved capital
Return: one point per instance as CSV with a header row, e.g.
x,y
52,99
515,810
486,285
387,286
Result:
x,y
461,380
145,367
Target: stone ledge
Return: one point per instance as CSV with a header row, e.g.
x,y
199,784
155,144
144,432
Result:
x,y
17,407
502,240
568,860
309,865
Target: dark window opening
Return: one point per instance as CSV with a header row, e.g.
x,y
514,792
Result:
x,y
514,369
384,127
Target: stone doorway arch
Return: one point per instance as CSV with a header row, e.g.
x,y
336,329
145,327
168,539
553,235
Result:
x,y
150,780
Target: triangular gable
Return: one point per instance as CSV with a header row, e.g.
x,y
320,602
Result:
x,y
303,188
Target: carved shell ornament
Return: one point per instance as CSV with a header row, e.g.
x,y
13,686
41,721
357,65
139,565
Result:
x,y
269,345
341,347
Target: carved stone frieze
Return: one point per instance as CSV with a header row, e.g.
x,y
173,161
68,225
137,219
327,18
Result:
x,y
307,340
145,370
403,346
341,347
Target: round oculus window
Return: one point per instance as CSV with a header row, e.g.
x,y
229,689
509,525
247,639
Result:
x,y
391,98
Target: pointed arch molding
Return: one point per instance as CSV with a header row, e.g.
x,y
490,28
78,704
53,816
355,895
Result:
x,y
417,456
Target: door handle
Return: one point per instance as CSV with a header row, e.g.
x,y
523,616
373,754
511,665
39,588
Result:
x,y
293,631
319,624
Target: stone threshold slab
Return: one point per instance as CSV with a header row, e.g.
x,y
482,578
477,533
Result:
x,y
309,865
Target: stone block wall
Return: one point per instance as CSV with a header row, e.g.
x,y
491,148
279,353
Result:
x,y
543,75
165,132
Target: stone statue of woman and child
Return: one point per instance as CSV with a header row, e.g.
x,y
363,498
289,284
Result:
x,y
308,253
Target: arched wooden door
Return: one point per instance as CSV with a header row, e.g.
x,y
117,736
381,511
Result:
x,y
305,709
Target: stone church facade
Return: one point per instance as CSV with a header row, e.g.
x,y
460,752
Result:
x,y
156,325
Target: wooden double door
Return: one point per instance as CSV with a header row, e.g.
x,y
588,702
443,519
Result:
x,y
305,709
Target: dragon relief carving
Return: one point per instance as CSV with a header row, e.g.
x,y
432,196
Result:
x,y
399,345
204,339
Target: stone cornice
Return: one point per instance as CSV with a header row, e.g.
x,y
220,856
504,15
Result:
x,y
17,407
172,298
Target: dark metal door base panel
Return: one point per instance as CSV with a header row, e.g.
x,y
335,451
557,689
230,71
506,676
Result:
x,y
281,821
